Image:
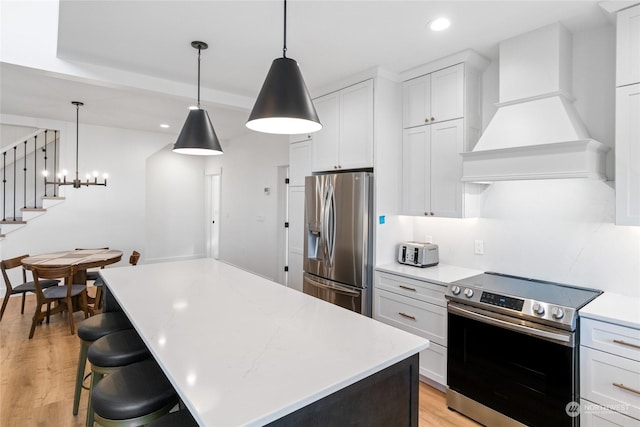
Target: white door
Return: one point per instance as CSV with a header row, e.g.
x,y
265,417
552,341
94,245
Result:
x,y
324,145
214,241
447,94
356,126
416,170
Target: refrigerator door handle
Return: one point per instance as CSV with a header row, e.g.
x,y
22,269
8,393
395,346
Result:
x,y
324,227
331,224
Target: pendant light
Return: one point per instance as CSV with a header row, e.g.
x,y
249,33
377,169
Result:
x,y
197,136
284,105
76,183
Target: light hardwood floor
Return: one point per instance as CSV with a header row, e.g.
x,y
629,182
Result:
x,y
37,376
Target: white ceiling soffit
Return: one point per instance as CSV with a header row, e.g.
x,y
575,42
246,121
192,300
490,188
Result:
x,y
331,40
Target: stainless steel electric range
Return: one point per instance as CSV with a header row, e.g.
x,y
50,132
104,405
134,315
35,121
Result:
x,y
513,350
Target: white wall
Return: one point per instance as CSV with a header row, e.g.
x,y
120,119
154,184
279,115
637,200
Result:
x,y
248,220
117,215
557,230
175,197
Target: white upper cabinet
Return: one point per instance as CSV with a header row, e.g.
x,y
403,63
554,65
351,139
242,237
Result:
x,y
628,46
627,145
628,155
346,138
435,97
431,172
441,119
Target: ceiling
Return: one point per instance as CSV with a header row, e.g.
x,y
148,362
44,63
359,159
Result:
x,y
331,40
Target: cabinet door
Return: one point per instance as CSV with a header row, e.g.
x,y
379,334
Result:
x,y
416,169
356,126
628,47
447,94
416,100
325,142
628,155
447,140
299,162
296,237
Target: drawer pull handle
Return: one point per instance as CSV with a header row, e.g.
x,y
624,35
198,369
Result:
x,y
407,288
624,387
627,344
407,316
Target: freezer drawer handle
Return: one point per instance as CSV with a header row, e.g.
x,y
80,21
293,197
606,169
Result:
x,y
407,316
334,287
624,387
627,344
408,288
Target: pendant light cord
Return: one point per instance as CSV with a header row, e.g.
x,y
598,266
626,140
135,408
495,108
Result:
x,y
284,47
77,137
198,78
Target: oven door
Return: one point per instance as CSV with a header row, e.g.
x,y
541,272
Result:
x,y
349,297
501,366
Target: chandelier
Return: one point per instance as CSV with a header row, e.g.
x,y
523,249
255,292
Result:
x,y
61,178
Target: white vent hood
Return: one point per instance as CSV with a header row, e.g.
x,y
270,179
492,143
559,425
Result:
x,y
536,132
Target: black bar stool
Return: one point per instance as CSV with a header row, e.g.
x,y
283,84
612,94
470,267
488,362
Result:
x,y
133,395
175,419
89,330
111,352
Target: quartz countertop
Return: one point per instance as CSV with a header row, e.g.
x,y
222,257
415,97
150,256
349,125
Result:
x,y
243,350
614,308
441,274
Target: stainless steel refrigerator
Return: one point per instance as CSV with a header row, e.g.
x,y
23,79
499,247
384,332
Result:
x,y
338,218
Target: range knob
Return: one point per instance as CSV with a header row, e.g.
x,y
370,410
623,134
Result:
x,y
468,292
455,289
557,313
538,309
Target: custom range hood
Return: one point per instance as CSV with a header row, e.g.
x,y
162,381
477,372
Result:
x,y
536,132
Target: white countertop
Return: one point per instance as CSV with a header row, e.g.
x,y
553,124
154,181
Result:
x,y
442,274
243,350
614,308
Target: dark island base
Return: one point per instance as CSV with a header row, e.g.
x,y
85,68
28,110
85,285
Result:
x,y
387,398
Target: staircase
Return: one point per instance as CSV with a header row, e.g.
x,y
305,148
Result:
x,y
25,196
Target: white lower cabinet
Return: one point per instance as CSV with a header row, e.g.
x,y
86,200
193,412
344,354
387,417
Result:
x,y
609,374
402,302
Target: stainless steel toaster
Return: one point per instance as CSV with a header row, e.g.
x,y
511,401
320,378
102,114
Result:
x,y
418,254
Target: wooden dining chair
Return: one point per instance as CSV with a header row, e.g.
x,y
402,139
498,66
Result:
x,y
63,295
133,260
24,287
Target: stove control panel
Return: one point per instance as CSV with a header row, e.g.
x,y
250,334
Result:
x,y
502,301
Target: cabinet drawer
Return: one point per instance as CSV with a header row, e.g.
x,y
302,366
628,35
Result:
x,y
593,415
614,339
433,363
424,291
611,381
417,317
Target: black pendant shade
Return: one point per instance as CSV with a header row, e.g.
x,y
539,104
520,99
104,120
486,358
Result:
x,y
197,136
284,105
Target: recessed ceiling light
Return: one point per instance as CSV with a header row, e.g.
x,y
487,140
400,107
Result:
x,y
439,24
164,126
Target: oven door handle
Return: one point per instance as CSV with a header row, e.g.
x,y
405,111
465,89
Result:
x,y
564,339
336,288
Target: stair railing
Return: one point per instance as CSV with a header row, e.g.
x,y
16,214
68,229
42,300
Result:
x,y
30,151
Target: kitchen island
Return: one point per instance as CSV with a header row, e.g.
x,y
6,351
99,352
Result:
x,y
242,350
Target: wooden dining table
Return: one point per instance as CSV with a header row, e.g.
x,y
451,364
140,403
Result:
x,y
83,259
